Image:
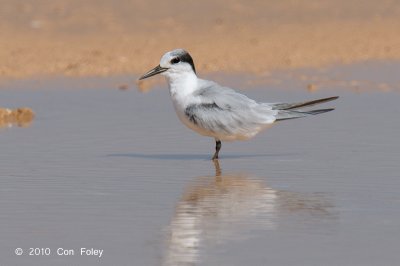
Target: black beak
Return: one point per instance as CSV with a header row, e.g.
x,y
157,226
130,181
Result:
x,y
154,71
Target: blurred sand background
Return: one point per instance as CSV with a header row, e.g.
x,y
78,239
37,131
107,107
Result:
x,y
105,37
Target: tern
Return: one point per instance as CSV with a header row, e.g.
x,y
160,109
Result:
x,y
220,112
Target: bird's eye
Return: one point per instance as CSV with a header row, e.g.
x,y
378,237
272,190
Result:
x,y
175,60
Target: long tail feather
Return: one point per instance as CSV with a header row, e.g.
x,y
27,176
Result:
x,y
291,106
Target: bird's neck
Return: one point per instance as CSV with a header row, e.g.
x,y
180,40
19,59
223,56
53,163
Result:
x,y
182,84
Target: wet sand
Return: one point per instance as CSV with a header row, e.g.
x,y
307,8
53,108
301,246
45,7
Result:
x,y
21,117
99,38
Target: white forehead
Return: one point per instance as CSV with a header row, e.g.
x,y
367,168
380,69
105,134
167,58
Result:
x,y
166,58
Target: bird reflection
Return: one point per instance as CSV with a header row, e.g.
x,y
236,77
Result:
x,y
227,207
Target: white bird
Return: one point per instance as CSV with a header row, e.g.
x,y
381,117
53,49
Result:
x,y
220,112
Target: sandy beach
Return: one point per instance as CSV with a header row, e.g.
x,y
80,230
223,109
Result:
x,y
101,38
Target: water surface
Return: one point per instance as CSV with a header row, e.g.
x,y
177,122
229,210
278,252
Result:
x,y
115,170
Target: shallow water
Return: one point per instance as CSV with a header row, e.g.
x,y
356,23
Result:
x,y
115,170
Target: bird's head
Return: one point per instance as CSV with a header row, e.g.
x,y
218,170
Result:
x,y
175,62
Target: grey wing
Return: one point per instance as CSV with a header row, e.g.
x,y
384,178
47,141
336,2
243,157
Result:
x,y
223,96
222,110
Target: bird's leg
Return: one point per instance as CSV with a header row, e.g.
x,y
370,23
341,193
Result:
x,y
217,148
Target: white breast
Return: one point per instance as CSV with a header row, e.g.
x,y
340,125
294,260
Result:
x,y
182,88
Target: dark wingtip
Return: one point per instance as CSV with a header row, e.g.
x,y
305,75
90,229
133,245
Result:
x,y
318,111
314,102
